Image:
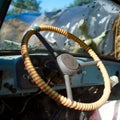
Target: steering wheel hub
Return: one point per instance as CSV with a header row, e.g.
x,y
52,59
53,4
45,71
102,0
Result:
x,y
68,64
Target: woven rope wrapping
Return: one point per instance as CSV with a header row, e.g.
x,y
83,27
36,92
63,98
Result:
x,y
49,91
116,30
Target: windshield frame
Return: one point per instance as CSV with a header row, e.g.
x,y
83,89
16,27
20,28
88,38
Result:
x,y
4,5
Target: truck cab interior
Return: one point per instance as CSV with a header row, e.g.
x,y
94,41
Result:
x,y
59,65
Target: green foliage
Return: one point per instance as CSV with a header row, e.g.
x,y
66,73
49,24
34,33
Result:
x,y
21,6
78,2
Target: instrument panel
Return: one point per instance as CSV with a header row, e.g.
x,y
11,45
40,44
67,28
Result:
x,y
15,80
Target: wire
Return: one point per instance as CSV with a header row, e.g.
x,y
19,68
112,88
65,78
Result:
x,y
26,102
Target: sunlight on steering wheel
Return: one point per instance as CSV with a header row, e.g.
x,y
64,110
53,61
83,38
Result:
x,y
68,68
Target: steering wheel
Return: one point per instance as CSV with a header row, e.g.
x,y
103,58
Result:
x,y
66,101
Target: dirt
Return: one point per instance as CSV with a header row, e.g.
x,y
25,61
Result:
x,y
13,30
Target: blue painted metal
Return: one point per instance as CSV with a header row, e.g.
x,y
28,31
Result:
x,y
86,76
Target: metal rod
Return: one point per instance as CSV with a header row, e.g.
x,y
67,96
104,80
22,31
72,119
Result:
x,y
68,87
50,49
91,63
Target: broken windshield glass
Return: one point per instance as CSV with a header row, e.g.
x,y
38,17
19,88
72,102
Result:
x,y
91,22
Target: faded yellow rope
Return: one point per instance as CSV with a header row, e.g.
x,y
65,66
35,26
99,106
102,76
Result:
x,y
116,31
48,90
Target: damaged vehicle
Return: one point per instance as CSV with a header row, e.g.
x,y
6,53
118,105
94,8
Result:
x,y
60,65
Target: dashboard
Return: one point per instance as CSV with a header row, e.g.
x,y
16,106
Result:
x,y
15,80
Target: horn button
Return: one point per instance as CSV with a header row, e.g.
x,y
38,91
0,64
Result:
x,y
68,64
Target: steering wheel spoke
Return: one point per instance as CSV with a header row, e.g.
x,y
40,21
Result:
x,y
45,43
68,87
90,63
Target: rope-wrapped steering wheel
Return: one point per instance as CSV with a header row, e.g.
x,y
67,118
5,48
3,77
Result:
x,y
47,89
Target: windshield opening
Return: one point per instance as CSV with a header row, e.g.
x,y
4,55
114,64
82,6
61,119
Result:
x,y
90,20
